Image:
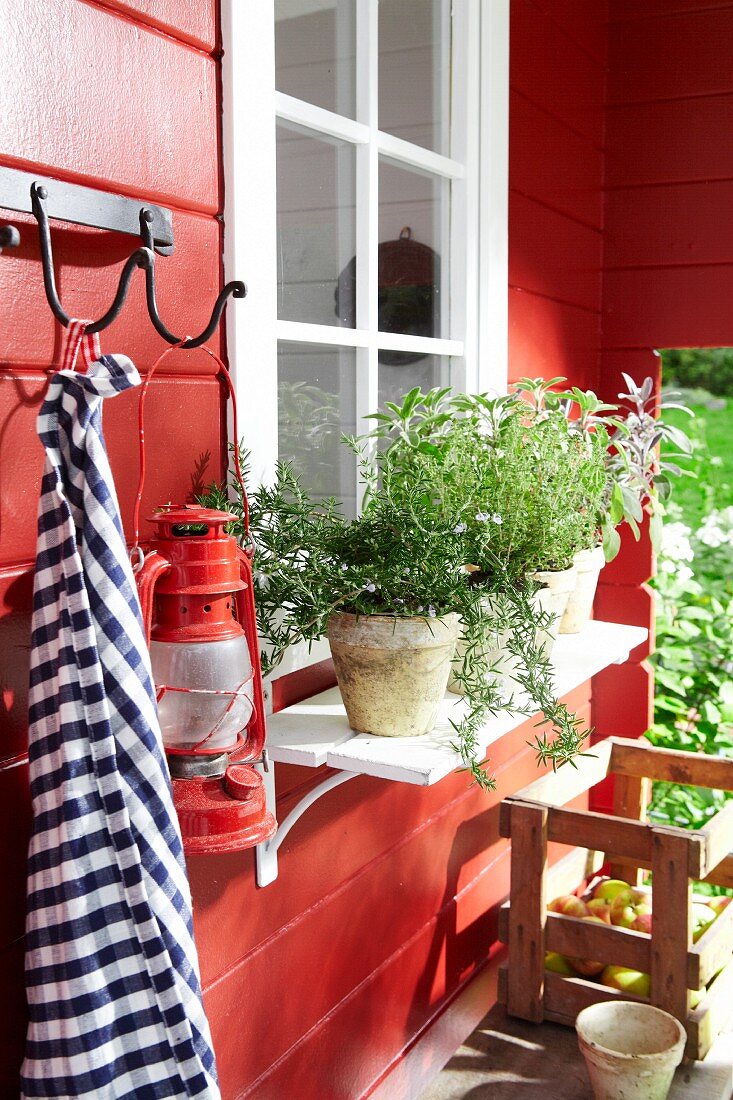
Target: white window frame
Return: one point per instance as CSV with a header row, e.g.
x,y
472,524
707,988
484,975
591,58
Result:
x,y
477,342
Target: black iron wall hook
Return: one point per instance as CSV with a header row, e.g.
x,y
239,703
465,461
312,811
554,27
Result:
x,y
85,206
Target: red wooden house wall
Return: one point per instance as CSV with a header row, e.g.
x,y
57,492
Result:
x,y
349,976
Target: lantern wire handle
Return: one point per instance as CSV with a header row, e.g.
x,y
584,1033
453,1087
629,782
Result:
x,y
136,553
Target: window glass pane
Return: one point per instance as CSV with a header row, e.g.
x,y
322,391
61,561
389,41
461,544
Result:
x,y
413,260
414,71
316,403
316,230
397,379
314,52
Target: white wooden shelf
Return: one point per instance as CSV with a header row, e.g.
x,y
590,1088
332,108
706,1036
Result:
x,y
316,731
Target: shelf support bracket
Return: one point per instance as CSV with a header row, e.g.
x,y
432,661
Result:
x,y
266,853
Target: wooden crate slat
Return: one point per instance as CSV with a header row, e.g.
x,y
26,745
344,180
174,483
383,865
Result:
x,y
570,996
717,834
723,873
631,795
672,923
711,1015
557,788
587,940
712,950
528,911
587,828
692,769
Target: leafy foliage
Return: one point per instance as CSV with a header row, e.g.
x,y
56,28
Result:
x,y
709,369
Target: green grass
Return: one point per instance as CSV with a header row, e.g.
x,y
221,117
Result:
x,y
712,431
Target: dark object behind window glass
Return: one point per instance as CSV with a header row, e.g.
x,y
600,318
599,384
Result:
x,y
409,293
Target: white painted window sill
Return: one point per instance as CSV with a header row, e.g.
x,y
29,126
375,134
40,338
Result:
x,y
316,731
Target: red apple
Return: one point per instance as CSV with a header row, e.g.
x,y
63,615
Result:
x,y
627,981
643,922
599,907
609,888
625,911
569,906
586,967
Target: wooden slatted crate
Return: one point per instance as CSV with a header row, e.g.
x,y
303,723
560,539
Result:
x,y
537,815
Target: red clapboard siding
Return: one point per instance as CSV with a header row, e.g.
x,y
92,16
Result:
x,y
671,141
553,255
670,224
89,94
550,163
182,425
582,22
572,90
549,338
633,11
624,696
88,266
381,815
669,307
16,588
194,23
674,57
12,1033
14,822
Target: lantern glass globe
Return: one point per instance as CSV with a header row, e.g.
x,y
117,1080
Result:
x,y
196,714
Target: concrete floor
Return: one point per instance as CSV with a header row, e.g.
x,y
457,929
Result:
x,y
507,1059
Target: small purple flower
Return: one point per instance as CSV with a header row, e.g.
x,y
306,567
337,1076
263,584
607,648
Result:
x,y
482,517
431,611
496,518
344,567
459,528
370,587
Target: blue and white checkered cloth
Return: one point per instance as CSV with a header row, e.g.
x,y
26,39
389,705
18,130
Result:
x,y
111,967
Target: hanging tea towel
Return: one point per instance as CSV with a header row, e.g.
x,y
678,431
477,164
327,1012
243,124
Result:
x,y
111,968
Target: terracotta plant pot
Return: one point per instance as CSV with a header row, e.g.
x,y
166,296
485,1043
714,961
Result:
x,y
553,598
631,1050
392,671
588,564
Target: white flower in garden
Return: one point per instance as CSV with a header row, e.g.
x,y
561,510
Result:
x,y
684,574
676,542
496,518
717,528
482,517
369,586
431,611
344,567
459,528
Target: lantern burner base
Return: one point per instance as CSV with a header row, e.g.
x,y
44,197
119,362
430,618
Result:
x,y
196,766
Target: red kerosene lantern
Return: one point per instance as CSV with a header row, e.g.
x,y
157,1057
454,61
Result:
x,y
196,593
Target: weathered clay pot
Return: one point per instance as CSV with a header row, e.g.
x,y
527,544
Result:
x,y
392,671
631,1050
557,584
580,602
502,664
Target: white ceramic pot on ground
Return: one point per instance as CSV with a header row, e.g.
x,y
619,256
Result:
x,y
392,671
631,1050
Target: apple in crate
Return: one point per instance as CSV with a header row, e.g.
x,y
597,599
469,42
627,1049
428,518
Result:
x,y
558,964
587,968
608,888
702,917
569,906
599,907
632,910
626,980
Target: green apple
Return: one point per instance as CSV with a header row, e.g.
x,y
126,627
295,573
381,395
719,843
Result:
x,y
609,888
558,964
627,981
702,917
625,912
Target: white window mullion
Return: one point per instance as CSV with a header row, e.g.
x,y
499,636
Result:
x,y
367,215
326,123
250,221
415,156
